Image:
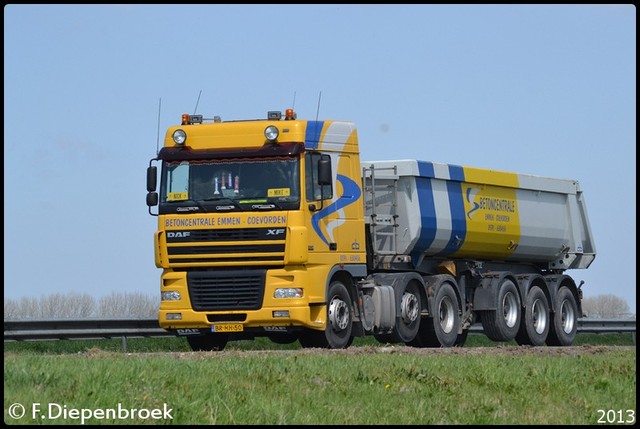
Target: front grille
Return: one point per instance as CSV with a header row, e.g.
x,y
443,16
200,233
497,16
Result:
x,y
221,235
226,290
248,245
244,234
236,248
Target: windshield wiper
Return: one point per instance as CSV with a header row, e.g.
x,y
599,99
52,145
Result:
x,y
265,206
232,204
188,209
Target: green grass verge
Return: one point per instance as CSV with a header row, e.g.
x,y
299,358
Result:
x,y
369,387
374,385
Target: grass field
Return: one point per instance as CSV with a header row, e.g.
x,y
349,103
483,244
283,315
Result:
x,y
258,382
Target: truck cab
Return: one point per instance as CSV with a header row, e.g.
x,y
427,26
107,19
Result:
x,y
254,219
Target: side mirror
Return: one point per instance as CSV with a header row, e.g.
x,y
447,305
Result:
x,y
152,199
152,178
324,171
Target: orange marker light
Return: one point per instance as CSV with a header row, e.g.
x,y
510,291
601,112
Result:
x,y
289,114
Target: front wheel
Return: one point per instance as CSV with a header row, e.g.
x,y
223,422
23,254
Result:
x,y
337,334
564,328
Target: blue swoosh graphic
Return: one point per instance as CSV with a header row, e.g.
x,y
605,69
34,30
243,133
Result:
x,y
476,205
350,194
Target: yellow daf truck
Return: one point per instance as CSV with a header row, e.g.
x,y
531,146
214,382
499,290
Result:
x,y
275,227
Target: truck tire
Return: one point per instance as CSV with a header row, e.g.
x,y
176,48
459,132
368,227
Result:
x,y
208,342
536,319
461,339
564,328
503,323
440,330
337,334
407,323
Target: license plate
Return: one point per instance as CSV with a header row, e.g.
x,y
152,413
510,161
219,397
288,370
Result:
x,y
227,327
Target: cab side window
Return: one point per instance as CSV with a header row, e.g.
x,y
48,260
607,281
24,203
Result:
x,y
314,191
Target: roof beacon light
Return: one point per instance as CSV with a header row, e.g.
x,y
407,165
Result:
x,y
188,119
289,115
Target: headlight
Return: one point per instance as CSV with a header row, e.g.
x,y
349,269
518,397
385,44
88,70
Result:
x,y
171,296
289,292
179,136
271,133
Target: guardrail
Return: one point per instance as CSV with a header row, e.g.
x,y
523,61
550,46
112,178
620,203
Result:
x,y
590,326
86,329
30,330
20,330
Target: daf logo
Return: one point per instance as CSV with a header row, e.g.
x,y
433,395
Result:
x,y
178,234
188,331
275,231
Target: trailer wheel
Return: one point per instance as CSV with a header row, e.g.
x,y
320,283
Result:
x,y
503,323
534,326
564,328
440,330
337,334
208,342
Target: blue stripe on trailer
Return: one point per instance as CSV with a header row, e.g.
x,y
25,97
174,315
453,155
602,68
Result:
x,y
427,209
425,169
456,173
456,204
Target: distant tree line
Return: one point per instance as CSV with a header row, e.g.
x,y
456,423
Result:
x,y
605,307
56,306
136,305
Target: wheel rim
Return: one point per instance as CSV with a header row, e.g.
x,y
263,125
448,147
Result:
x,y
409,308
568,316
338,314
510,309
539,316
446,314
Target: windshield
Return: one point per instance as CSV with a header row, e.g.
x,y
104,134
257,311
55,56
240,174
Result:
x,y
230,184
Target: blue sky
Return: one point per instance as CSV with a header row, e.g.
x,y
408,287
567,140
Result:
x,y
548,90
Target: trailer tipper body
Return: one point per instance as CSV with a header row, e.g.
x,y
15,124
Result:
x,y
462,212
275,227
